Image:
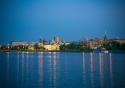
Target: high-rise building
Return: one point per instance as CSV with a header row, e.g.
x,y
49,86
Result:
x,y
44,42
56,39
51,41
40,41
105,37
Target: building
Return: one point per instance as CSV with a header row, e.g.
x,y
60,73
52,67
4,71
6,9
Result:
x,y
52,47
95,43
117,40
18,44
3,47
0,46
105,38
84,41
67,43
56,39
51,42
40,42
31,45
44,42
120,40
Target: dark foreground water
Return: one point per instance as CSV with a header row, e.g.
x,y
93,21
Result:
x,y
61,70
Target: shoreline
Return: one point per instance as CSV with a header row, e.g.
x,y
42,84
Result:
x,y
86,51
42,51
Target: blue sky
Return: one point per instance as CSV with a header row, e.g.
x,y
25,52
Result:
x,y
71,20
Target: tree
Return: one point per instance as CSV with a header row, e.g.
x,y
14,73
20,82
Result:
x,y
41,48
114,45
36,46
72,46
123,46
21,47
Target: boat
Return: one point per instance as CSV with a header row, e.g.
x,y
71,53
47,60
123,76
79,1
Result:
x,y
103,50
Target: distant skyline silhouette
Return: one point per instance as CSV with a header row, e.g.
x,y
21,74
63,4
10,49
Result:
x,y
71,20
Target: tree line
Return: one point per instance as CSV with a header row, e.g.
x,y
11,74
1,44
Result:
x,y
114,45
75,47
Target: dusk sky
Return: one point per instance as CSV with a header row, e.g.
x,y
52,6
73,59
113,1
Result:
x,y
71,20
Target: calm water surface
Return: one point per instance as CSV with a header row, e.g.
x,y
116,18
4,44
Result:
x,y
61,70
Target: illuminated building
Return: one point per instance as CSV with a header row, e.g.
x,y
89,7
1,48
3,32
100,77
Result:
x,y
52,47
31,45
44,42
120,40
84,41
40,42
117,40
18,44
56,39
51,42
105,37
3,47
95,43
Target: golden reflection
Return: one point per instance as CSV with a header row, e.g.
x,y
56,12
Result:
x,y
57,54
40,68
84,70
27,54
111,75
54,55
91,68
22,54
8,54
49,56
91,65
101,68
55,69
50,66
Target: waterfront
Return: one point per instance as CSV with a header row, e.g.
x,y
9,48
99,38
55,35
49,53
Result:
x,y
61,70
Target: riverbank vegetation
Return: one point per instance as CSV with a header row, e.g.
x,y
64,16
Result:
x,y
75,47
115,46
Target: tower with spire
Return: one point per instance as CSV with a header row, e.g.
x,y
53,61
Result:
x,y
40,41
105,37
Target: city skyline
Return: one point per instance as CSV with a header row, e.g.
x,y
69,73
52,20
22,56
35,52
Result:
x,y
70,20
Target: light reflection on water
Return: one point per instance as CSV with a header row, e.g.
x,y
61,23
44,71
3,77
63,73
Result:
x,y
101,68
84,70
8,66
91,69
40,68
59,70
17,77
111,75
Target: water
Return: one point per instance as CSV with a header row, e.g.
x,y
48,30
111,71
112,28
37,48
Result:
x,y
61,70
